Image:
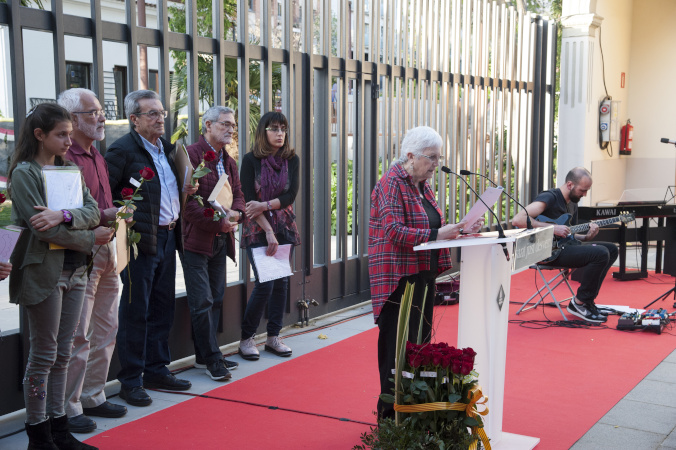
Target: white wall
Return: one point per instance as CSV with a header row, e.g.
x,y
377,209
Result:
x,y
639,39
652,93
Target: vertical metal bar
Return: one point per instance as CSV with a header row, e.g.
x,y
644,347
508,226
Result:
x,y
266,63
97,60
552,101
193,70
218,17
132,47
243,76
288,86
307,139
165,90
59,47
537,136
19,73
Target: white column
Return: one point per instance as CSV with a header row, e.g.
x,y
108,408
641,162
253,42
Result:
x,y
578,106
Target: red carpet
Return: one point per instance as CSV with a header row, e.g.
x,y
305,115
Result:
x,y
559,382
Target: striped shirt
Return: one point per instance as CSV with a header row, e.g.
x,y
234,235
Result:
x,y
398,223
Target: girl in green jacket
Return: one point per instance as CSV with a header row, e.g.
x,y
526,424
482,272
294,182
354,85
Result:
x,y
49,282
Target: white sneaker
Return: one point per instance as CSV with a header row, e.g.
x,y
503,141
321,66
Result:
x,y
248,350
274,344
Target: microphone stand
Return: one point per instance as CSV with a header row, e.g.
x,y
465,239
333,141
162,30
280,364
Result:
x,y
501,231
529,225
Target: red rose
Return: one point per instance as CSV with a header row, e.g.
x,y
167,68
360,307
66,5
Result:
x,y
437,358
466,368
456,366
210,156
209,213
469,351
2,198
127,193
147,173
415,360
446,361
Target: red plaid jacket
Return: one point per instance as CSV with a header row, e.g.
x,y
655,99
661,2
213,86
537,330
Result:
x,y
398,223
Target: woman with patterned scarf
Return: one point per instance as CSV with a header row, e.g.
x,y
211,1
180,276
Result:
x,y
269,176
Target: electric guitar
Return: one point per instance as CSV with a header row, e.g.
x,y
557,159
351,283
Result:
x,y
560,242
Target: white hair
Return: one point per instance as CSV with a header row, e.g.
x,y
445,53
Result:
x,y
417,140
71,99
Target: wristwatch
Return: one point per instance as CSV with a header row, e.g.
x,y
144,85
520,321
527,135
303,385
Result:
x,y
67,216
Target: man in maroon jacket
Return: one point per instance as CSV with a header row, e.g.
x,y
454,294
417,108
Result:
x,y
208,242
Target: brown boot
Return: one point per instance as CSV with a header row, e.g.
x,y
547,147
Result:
x,y
62,437
40,437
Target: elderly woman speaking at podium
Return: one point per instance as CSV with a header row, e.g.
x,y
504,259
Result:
x,y
404,213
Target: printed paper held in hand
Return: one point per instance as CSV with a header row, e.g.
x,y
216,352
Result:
x,y
272,267
490,196
9,236
63,190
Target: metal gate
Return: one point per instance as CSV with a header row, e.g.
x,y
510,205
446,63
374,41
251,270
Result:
x,y
351,76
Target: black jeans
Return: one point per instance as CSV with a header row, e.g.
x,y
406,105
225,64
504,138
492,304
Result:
x,y
205,286
145,322
596,258
387,323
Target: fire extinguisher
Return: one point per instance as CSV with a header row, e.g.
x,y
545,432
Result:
x,y
626,138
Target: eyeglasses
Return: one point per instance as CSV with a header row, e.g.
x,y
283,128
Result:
x,y
92,113
434,159
276,130
228,125
154,114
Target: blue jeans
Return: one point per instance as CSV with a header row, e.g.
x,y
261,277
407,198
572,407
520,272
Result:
x,y
205,286
145,322
274,294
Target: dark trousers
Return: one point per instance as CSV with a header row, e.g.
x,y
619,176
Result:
x,y
274,294
205,286
596,257
387,323
145,322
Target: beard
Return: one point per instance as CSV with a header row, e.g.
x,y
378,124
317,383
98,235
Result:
x,y
574,198
91,131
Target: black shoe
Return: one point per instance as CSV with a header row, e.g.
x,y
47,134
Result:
x,y
62,437
201,364
168,382
81,424
106,409
40,436
585,312
230,365
136,396
218,372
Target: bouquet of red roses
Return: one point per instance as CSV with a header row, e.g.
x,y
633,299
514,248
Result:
x,y
437,397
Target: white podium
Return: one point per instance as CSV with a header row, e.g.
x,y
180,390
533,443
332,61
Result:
x,y
485,279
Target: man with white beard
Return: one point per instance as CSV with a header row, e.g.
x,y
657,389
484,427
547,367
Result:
x,y
95,335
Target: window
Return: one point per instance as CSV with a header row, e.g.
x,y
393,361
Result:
x,y
77,75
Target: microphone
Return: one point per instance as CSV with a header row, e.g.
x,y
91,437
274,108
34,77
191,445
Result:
x,y
667,141
501,231
529,225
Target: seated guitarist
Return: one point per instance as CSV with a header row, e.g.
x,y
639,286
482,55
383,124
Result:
x,y
596,257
